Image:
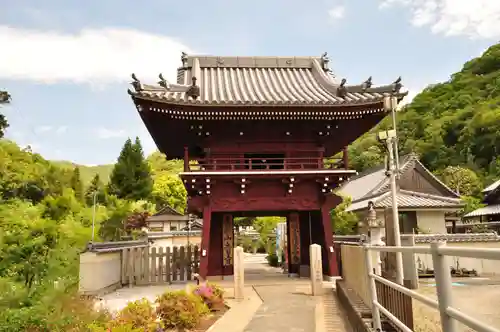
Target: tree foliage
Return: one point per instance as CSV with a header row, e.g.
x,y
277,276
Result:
x,y
131,175
4,99
454,123
343,222
463,181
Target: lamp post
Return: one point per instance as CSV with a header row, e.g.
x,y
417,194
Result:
x,y
94,201
389,137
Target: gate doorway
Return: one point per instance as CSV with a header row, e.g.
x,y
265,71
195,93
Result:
x,y
256,233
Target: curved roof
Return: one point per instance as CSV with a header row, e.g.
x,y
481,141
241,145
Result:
x,y
260,81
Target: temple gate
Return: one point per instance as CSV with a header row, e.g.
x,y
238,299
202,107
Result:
x,y
254,133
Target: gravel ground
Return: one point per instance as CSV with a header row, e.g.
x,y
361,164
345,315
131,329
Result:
x,y
477,297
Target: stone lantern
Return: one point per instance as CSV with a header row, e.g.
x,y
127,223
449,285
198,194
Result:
x,y
375,229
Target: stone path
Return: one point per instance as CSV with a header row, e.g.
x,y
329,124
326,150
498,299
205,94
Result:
x,y
273,303
285,309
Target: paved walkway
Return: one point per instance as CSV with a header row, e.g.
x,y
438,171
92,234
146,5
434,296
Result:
x,y
273,302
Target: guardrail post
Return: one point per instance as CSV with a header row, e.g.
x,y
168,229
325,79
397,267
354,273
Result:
x,y
377,325
442,275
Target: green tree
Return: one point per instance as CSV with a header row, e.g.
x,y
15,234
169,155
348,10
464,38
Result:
x,y
471,204
76,184
4,99
462,180
59,207
26,243
168,189
131,175
96,187
159,164
343,222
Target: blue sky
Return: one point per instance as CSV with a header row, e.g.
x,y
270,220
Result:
x,y
67,64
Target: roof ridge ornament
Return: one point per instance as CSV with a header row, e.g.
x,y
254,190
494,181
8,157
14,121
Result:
x,y
136,83
325,60
396,85
219,61
367,84
194,90
163,82
184,59
342,89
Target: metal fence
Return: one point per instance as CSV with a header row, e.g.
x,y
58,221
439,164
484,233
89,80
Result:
x,y
440,257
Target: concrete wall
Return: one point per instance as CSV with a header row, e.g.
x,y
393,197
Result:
x,y
484,267
175,241
99,272
432,222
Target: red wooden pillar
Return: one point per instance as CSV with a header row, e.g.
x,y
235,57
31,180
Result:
x,y
345,158
205,242
327,227
186,159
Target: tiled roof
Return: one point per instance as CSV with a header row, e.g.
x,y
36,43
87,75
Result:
x,y
454,238
261,81
375,181
407,199
492,187
485,211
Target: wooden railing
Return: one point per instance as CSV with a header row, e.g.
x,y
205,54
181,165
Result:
x,y
262,164
238,161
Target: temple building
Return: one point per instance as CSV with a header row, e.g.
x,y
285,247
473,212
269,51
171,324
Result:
x,y
254,133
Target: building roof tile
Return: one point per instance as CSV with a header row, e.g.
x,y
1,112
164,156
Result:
x,y
407,199
261,81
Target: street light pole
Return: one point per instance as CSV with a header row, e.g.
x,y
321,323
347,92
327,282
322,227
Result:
x,y
390,138
94,199
395,211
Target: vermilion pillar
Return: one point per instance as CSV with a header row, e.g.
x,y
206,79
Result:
x,y
205,241
327,227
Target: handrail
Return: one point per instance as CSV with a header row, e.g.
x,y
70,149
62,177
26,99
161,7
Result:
x,y
255,163
439,251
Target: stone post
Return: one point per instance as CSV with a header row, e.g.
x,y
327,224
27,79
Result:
x,y
239,273
316,269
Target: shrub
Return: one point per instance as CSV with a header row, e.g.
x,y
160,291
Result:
x,y
212,295
272,259
139,315
180,309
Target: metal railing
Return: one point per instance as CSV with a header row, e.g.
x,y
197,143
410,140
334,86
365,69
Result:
x,y
440,253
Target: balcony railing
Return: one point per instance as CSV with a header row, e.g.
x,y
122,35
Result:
x,y
260,164
265,162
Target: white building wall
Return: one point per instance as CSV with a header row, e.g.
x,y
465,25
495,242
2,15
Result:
x,y
432,222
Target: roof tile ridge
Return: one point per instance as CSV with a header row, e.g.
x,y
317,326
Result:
x,y
323,79
426,195
437,179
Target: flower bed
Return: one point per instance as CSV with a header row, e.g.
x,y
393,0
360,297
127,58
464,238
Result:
x,y
194,310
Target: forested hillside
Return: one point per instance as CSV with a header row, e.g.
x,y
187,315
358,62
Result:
x,y
454,123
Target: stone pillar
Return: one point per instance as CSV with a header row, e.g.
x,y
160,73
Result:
x,y
239,273
410,270
316,266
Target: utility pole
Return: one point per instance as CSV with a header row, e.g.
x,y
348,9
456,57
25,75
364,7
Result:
x,y
389,137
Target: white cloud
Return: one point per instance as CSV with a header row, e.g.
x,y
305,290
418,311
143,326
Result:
x,y
42,129
95,56
46,129
106,133
61,130
409,97
337,12
471,18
